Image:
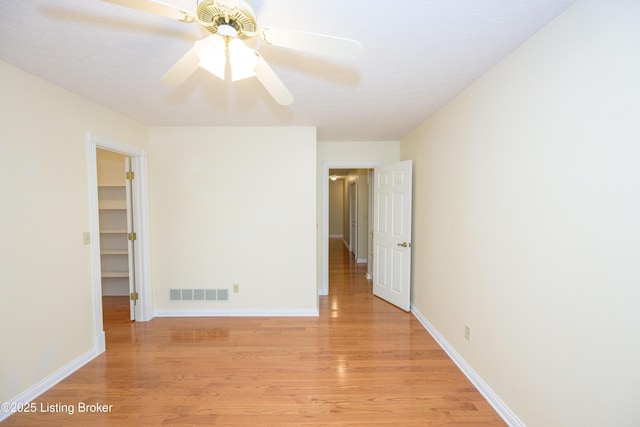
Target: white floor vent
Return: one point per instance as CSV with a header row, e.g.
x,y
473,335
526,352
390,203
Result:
x,y
198,294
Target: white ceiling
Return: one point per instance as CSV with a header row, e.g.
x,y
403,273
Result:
x,y
418,54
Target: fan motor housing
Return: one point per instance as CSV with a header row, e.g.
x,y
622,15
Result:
x,y
242,18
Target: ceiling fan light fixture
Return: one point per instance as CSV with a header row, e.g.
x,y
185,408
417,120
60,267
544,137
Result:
x,y
238,14
212,55
242,60
227,30
230,22
229,4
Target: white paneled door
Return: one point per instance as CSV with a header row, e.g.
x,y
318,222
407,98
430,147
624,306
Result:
x,y
392,233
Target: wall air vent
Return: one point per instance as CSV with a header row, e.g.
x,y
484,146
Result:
x,y
223,294
175,295
198,294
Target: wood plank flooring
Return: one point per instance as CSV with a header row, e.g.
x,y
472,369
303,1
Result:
x,y
362,362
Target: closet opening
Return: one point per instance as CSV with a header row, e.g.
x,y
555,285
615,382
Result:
x,y
117,235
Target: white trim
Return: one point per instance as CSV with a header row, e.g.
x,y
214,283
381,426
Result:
x,y
361,261
51,380
353,216
94,249
370,222
100,343
118,147
335,236
141,209
346,245
501,408
236,313
324,224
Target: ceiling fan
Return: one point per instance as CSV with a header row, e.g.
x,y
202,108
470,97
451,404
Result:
x,y
230,23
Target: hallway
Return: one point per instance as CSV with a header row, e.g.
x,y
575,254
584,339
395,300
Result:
x,y
362,362
345,275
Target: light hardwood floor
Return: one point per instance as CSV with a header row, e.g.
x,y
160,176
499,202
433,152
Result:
x,y
362,362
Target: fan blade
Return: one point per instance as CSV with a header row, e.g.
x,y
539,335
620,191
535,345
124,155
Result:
x,y
183,69
157,8
311,42
272,83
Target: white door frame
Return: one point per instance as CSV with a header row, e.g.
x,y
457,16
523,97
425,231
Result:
x,y
353,217
370,224
324,225
141,219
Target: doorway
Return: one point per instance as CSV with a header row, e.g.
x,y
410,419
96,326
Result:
x,y
364,237
137,243
117,252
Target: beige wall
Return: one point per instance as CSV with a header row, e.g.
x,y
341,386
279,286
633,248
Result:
x,y
385,151
221,214
110,168
363,215
336,203
45,279
527,221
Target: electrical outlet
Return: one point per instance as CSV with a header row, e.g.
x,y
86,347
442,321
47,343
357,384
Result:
x,y
236,289
86,238
467,333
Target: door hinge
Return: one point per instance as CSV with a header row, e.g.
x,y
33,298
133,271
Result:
x,y
132,236
134,296
130,175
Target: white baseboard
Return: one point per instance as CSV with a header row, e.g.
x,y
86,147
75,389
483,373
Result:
x,y
368,276
235,313
331,236
501,408
100,342
361,261
53,379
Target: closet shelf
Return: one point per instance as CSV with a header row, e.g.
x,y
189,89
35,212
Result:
x,y
113,231
114,252
114,274
112,207
112,219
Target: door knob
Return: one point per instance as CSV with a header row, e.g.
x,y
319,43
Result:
x,y
405,244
